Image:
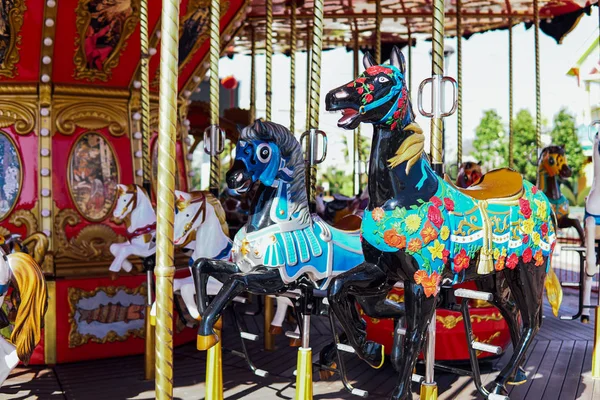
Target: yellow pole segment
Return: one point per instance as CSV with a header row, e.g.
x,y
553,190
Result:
x,y
304,381
538,105
459,150
214,370
145,105
165,269
356,154
511,159
293,40
596,351
437,71
214,55
252,73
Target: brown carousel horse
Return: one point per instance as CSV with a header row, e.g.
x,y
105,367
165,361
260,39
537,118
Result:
x,y
468,173
552,167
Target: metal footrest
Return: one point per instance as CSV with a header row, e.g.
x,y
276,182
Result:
x,y
249,336
292,335
417,378
261,372
497,397
488,348
570,284
359,393
473,294
345,348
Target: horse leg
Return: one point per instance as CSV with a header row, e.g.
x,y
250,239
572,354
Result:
x,y
363,280
282,306
262,281
567,222
121,252
526,283
202,269
496,285
590,267
419,310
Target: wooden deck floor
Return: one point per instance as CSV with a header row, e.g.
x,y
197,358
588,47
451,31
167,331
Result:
x,y
558,367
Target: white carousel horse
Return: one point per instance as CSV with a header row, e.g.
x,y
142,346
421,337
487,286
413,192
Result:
x,y
134,207
23,272
592,229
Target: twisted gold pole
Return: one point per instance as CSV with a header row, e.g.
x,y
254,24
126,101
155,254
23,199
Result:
x,y
293,39
308,70
538,103
253,73
437,69
165,270
315,85
215,52
356,152
459,151
269,57
378,18
149,347
511,160
410,79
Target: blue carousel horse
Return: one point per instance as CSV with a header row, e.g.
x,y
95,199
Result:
x,y
282,245
424,231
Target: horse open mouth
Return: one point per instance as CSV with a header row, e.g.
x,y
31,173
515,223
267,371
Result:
x,y
349,115
245,187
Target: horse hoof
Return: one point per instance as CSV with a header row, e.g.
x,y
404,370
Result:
x,y
113,275
206,342
295,342
275,330
374,354
326,374
585,319
519,379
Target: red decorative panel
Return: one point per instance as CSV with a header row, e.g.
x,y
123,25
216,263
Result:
x,y
28,66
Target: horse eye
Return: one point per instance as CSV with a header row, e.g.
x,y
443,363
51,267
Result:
x,y
551,161
382,79
187,215
263,152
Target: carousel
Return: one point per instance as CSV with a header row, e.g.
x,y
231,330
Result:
x,y
98,131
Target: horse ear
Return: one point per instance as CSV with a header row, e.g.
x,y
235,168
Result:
x,y
479,163
259,126
182,196
121,189
397,59
240,127
368,60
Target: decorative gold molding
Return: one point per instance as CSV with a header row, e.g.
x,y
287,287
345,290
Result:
x,y
76,294
24,217
38,244
92,91
20,114
91,244
82,22
50,325
7,88
90,115
4,232
14,23
450,321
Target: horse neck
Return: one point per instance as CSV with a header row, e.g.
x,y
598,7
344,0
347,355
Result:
x,y
395,185
548,184
142,215
210,238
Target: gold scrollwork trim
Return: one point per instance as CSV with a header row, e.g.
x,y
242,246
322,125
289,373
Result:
x,y
24,217
450,321
75,294
14,23
92,243
92,116
83,22
92,91
19,114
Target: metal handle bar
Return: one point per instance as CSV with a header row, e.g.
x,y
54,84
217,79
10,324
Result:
x,y
420,98
312,134
213,144
454,96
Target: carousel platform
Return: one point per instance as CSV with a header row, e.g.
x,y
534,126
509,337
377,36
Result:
x,y
558,367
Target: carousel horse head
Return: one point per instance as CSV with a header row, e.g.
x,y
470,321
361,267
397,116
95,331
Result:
x,y
553,162
27,278
468,173
270,154
378,96
129,198
194,209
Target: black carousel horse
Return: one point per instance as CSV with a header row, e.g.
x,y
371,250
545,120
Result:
x,y
424,231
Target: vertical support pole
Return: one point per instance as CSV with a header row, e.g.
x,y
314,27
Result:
x,y
511,160
356,153
410,77
269,339
215,132
596,349
429,387
315,88
145,108
538,105
293,40
378,59
304,381
214,369
253,73
437,72
165,269
309,34
459,123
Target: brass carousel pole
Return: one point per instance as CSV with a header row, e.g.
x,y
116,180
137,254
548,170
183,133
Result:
x,y
293,40
459,122
253,72
309,34
269,339
214,367
511,158
410,77
145,105
378,18
538,105
315,84
165,269
356,154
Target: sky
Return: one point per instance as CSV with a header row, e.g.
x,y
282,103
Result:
x,y
485,81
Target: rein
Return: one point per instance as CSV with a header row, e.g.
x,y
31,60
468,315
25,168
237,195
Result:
x,y
202,209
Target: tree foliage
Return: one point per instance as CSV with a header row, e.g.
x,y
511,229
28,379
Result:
x,y
490,142
524,145
564,133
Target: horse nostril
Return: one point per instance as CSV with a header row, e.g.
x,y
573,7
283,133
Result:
x,y
239,178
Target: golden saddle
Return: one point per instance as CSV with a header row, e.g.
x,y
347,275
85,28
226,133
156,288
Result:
x,y
496,184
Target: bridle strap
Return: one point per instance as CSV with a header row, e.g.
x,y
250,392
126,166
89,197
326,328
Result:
x,y
201,209
395,90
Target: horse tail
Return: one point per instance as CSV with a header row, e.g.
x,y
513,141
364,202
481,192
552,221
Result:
x,y
31,284
219,211
40,246
553,287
